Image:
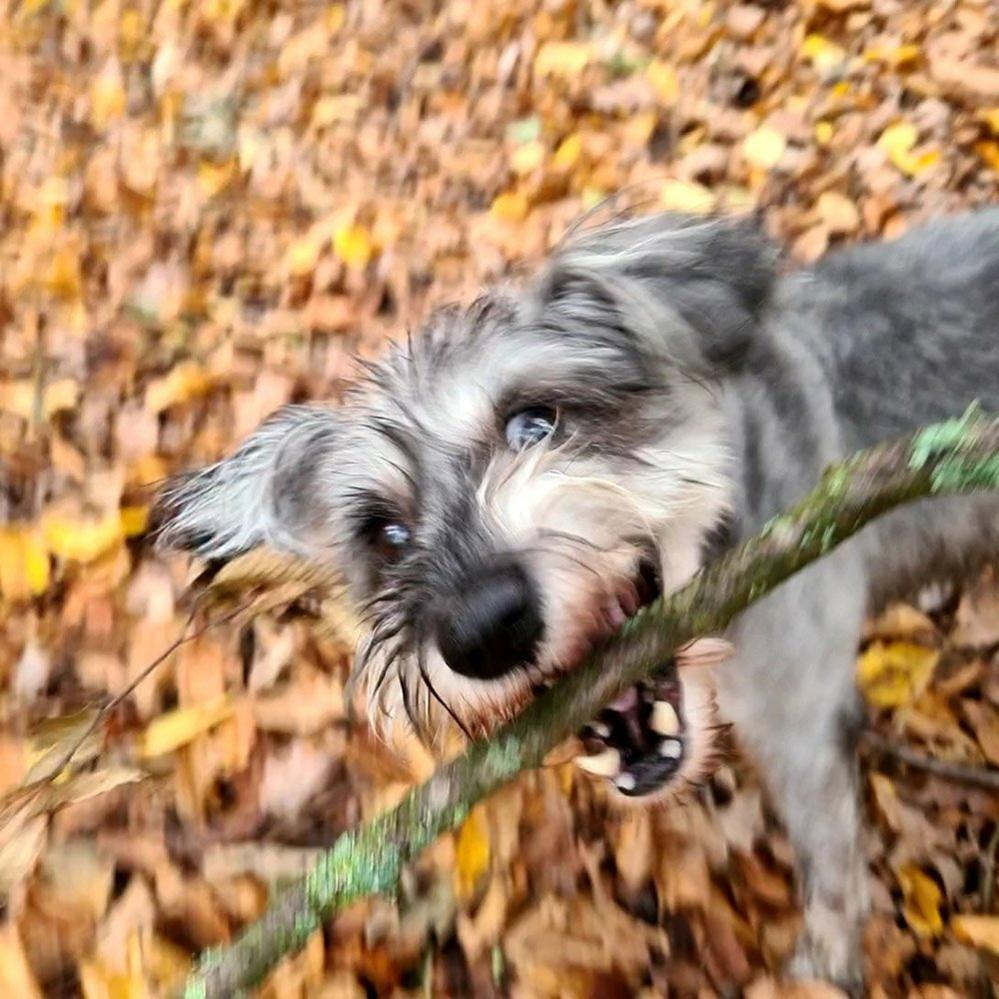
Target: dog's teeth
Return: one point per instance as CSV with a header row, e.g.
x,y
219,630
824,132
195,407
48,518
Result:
x,y
600,730
626,782
672,749
605,764
664,719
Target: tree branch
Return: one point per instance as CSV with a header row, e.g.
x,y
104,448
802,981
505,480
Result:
x,y
953,457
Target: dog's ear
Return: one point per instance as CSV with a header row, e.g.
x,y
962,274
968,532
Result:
x,y
269,490
689,289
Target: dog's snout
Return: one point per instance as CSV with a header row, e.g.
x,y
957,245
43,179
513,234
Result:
x,y
492,624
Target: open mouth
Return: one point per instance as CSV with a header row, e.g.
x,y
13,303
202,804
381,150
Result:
x,y
657,734
637,742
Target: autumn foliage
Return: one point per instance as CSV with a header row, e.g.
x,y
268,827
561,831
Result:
x,y
207,209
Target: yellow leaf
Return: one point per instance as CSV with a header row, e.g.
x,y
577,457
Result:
x,y
569,151
824,55
566,59
24,563
922,898
528,157
893,674
178,727
352,244
335,17
60,396
764,147
663,81
979,931
107,96
838,212
989,151
18,398
81,539
510,207
134,520
99,981
302,256
991,118
213,178
824,132
185,382
897,56
686,196
897,142
898,138
471,853
63,277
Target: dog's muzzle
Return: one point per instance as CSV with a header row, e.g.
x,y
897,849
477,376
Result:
x,y
492,622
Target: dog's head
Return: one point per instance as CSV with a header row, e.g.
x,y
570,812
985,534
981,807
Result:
x,y
512,483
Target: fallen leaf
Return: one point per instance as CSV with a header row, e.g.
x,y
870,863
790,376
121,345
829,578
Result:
x,y
894,674
838,212
81,539
16,977
471,853
510,207
922,901
686,196
826,56
764,148
979,931
176,728
566,59
24,563
353,245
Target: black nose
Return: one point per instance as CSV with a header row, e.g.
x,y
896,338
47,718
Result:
x,y
492,624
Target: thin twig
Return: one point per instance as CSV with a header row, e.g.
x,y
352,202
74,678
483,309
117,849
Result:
x,y
964,773
17,801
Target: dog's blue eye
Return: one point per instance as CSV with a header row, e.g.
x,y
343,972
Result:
x,y
390,539
530,426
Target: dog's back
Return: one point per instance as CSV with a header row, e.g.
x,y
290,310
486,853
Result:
x,y
908,334
908,330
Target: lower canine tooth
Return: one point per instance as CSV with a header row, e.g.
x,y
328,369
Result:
x,y
626,782
664,720
672,749
605,764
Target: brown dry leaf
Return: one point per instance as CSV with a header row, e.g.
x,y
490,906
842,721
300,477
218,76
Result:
x,y
977,619
984,721
16,977
838,212
22,839
209,209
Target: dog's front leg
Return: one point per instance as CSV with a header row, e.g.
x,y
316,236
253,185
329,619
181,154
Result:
x,y
790,691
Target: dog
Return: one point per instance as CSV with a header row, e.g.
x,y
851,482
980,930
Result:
x,y
521,475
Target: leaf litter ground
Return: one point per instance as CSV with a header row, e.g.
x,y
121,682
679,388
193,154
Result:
x,y
208,209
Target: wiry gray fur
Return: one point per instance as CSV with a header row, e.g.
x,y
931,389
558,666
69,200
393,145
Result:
x,y
695,389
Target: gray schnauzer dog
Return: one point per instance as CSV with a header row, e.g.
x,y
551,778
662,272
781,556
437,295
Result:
x,y
510,484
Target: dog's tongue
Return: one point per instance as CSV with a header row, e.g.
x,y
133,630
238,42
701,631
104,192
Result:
x,y
626,701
